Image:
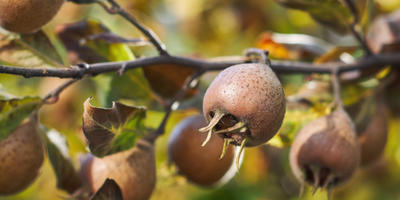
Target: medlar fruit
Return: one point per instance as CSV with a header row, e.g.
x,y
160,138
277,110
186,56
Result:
x,y
21,156
27,16
134,171
200,165
325,152
245,105
373,139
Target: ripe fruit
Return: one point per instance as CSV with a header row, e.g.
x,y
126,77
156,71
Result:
x,y
21,156
373,138
27,16
200,165
325,152
245,105
134,171
167,79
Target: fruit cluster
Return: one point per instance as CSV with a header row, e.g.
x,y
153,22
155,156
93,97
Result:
x,y
244,106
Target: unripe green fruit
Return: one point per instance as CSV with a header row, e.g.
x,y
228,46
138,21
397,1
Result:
x,y
21,156
133,170
200,165
27,16
245,102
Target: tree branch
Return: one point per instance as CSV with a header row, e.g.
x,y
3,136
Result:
x,y
153,38
373,61
52,96
356,20
170,107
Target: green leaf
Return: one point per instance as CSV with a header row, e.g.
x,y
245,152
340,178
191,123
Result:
x,y
132,85
33,50
14,111
353,93
294,121
111,130
331,13
4,93
92,42
108,191
315,92
57,149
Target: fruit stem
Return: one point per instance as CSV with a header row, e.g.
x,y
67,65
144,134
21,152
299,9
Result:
x,y
261,54
336,87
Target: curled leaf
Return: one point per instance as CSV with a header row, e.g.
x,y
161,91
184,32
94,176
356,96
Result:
x,y
73,37
90,41
111,130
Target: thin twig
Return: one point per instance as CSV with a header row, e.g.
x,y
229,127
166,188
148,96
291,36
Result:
x,y
356,20
52,96
336,88
169,108
154,39
373,61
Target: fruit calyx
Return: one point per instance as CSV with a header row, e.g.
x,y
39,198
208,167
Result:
x,y
226,126
230,129
319,176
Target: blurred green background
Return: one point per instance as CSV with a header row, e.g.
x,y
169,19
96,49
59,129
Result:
x,y
201,28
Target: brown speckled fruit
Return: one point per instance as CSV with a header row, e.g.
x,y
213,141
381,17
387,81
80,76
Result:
x,y
325,153
245,102
134,171
200,165
27,16
21,156
373,138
